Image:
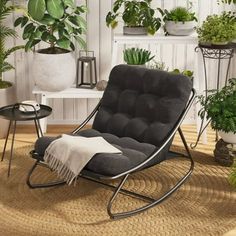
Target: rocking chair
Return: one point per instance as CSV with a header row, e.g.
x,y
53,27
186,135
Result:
x,y
139,113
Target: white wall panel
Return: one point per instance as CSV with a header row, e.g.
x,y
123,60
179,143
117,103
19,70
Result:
x,y
99,39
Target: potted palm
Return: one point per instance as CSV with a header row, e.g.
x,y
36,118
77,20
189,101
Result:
x,y
220,108
179,21
138,16
57,23
7,92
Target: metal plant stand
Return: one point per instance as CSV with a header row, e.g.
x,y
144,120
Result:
x,y
219,53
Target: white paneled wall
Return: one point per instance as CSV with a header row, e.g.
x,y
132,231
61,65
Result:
x,y
99,39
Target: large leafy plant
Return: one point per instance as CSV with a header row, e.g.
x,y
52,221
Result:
x,y
5,10
56,22
137,56
135,13
218,28
178,14
220,107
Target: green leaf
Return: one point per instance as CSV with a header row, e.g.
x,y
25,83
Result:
x,y
55,8
47,20
18,21
69,3
81,42
36,9
63,43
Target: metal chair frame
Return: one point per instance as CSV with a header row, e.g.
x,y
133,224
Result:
x,y
123,176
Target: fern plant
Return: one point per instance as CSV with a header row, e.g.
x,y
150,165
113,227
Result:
x,y
5,32
137,56
220,107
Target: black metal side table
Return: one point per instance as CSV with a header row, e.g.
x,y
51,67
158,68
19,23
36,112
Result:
x,y
13,114
219,53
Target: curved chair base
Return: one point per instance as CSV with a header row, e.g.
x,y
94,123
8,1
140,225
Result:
x,y
44,185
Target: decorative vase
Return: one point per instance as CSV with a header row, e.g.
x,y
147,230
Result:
x,y
229,137
180,28
54,72
7,97
134,30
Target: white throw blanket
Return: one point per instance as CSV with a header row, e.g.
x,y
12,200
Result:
x,y
68,155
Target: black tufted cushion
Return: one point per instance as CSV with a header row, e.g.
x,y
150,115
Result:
x,y
133,153
138,110
142,104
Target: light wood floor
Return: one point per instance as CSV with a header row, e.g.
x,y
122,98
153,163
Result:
x,y
26,136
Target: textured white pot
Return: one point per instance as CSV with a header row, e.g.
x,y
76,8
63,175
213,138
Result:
x,y
180,28
54,72
139,30
228,137
7,97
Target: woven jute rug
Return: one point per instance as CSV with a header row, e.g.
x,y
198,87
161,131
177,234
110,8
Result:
x,y
204,205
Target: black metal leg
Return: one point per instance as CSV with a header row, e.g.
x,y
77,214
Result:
x,y
152,202
5,145
12,144
45,185
38,128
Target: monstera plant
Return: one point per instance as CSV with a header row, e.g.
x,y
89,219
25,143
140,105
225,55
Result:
x,y
59,23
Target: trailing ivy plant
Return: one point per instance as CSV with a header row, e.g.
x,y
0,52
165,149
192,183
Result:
x,y
56,22
134,14
137,56
5,10
220,107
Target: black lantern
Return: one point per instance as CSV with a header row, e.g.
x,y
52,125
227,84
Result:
x,y
86,59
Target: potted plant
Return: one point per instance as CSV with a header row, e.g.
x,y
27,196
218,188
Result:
x,y
217,29
220,108
57,23
179,21
137,56
138,16
7,90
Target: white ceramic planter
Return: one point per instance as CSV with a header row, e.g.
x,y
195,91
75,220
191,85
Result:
x,y
180,28
228,137
7,97
54,72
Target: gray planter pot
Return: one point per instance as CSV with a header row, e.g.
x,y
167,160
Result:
x,y
7,97
134,30
180,28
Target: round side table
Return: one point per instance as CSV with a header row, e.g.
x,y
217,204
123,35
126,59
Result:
x,y
13,114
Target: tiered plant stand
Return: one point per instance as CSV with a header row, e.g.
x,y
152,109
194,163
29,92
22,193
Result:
x,y
219,53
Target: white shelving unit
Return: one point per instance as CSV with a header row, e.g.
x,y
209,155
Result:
x,y
67,93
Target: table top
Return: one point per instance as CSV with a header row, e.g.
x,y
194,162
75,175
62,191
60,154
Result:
x,y
70,93
12,112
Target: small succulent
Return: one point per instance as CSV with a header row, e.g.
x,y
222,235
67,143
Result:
x,y
137,56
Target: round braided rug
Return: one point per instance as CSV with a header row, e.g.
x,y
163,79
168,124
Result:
x,y
204,205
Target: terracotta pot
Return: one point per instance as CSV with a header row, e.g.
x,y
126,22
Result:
x,y
7,97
